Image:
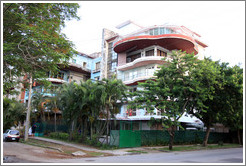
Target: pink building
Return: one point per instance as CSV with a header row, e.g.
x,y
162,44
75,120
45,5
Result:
x,y
134,53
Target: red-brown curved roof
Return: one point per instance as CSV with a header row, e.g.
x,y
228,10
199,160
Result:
x,y
168,41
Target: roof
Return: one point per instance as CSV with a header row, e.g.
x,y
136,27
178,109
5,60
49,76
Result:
x,y
127,23
85,55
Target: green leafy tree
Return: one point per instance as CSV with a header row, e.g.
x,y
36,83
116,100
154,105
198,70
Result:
x,y
93,102
172,92
232,97
13,113
52,102
33,43
210,79
114,92
68,105
38,103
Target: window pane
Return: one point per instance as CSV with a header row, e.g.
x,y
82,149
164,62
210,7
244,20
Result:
x,y
149,53
156,31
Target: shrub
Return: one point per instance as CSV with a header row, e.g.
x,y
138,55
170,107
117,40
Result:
x,y
61,136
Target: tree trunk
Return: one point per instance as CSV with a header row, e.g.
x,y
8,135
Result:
x,y
43,115
171,138
55,121
28,109
205,141
91,131
239,137
107,126
71,131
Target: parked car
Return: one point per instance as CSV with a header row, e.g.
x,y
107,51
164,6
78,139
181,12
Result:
x,y
11,135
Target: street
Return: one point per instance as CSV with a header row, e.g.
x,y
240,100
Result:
x,y
234,155
22,153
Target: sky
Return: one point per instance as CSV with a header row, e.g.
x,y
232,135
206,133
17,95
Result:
x,y
220,23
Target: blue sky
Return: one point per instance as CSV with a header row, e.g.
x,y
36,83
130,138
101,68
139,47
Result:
x,y
221,23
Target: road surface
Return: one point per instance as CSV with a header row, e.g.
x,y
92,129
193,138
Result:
x,y
22,153
233,155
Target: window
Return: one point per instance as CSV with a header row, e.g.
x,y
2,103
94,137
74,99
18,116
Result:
x,y
160,31
114,55
150,70
133,57
126,76
128,59
133,89
156,31
84,64
60,75
131,112
161,53
98,66
149,53
113,66
96,78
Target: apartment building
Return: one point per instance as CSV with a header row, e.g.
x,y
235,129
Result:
x,y
133,53
81,67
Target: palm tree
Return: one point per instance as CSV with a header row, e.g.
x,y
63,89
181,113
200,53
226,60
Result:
x,y
93,102
38,102
68,104
52,103
114,92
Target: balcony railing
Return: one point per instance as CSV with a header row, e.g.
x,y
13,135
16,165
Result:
x,y
142,62
96,70
138,75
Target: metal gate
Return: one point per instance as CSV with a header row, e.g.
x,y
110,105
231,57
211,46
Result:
x,y
129,138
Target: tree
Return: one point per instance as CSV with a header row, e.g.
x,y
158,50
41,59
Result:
x,y
68,105
38,102
93,101
52,101
173,92
210,79
114,92
232,97
13,113
33,43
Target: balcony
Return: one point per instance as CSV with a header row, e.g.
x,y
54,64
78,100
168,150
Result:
x,y
131,79
75,67
142,61
96,70
168,41
57,80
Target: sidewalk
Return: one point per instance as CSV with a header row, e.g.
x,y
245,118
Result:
x,y
87,148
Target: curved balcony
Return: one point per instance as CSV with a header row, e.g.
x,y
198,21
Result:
x,y
168,41
143,61
138,79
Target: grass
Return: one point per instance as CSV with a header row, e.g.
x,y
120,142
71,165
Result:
x,y
102,147
94,154
136,151
61,148
200,147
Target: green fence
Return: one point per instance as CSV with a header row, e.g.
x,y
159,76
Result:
x,y
44,128
131,138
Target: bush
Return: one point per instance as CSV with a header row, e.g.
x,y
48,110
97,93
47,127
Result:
x,y
220,143
61,136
